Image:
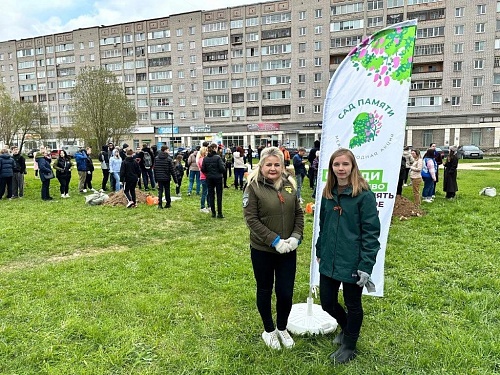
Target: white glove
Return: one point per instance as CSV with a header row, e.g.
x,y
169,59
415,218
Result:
x,y
294,243
283,247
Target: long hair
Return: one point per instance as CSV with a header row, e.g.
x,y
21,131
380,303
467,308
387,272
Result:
x,y
355,179
417,153
430,154
256,172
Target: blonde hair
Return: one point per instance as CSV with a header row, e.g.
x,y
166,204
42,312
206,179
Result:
x,y
203,152
355,178
271,151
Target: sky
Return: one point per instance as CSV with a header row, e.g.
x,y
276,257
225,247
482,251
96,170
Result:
x,y
29,18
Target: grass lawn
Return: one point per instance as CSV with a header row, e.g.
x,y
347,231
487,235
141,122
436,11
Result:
x,y
106,290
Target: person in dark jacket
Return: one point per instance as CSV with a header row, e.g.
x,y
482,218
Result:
x,y
213,167
44,168
450,185
81,167
300,170
129,175
347,247
310,159
164,173
103,157
276,221
89,165
179,173
63,165
147,165
19,172
6,173
123,151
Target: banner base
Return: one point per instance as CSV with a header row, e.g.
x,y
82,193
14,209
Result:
x,y
310,318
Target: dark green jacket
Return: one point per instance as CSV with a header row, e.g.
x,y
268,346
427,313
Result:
x,y
268,216
348,236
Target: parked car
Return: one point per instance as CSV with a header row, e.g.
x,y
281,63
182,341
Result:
x,y
31,152
469,152
445,150
71,150
54,154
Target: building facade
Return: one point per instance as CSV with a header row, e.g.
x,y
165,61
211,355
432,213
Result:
x,y
257,74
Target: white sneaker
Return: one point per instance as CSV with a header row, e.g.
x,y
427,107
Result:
x,y
84,190
67,195
286,339
271,339
433,197
428,200
205,210
301,200
63,195
405,185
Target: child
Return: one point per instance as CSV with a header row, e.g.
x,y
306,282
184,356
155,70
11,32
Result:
x,y
129,175
179,172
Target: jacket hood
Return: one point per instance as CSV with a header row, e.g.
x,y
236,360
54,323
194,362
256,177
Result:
x,y
5,156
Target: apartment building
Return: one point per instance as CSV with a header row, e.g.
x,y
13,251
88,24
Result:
x,y
258,74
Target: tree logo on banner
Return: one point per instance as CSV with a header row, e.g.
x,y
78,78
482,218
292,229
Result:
x,y
366,126
388,56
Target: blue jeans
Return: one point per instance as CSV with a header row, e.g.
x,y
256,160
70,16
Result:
x,y
428,187
192,176
204,193
238,177
117,180
299,179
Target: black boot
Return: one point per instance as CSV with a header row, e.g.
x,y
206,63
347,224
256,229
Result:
x,y
339,338
347,350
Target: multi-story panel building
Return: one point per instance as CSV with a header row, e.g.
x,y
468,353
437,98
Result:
x,y
258,74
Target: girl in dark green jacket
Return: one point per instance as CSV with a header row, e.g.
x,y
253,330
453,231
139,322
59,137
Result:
x,y
347,247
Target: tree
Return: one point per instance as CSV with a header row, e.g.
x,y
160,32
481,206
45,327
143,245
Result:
x,y
100,110
20,119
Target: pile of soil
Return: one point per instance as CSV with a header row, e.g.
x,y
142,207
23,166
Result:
x,y
119,199
404,209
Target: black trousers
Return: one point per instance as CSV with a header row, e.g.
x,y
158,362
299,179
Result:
x,y
164,186
105,177
268,267
6,183
214,185
88,180
45,189
129,190
349,321
64,183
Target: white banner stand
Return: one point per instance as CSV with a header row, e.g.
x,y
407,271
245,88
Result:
x,y
310,318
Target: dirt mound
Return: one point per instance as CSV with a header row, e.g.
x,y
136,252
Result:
x,y
404,208
119,199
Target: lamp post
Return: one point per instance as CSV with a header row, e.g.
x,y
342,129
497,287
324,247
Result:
x,y
171,114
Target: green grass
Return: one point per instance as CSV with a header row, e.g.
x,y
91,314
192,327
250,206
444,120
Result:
x,y
106,290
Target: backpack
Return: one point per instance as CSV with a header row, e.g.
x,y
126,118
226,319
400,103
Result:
x,y
148,162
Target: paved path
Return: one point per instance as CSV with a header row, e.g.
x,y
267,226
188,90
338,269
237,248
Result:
x,y
493,166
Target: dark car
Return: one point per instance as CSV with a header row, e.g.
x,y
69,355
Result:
x,y
469,152
445,150
31,152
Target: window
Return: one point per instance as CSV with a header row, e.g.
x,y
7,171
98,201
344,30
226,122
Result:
x,y
317,77
192,59
478,81
496,96
479,64
457,66
477,99
496,79
318,13
459,12
318,30
302,31
317,45
479,46
302,94
375,4
481,9
479,27
180,46
317,108
317,93
456,82
180,74
459,30
375,21
395,3
458,48
301,109
252,21
346,8
302,15
91,44
302,63
302,78
302,47
317,61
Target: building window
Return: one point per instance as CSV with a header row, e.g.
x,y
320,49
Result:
x,y
478,64
317,108
317,93
496,79
302,94
302,15
479,45
302,47
178,32
301,109
481,9
459,30
458,48
317,77
427,137
478,81
459,12
302,78
302,31
475,137
479,27
477,99
457,66
302,63
318,13
457,83
395,3
317,61
318,30
317,46
375,4
496,96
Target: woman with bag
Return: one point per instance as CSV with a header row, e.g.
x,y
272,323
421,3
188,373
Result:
x,y
45,173
429,168
63,172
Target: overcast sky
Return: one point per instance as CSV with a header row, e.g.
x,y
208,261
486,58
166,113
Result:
x,y
29,18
